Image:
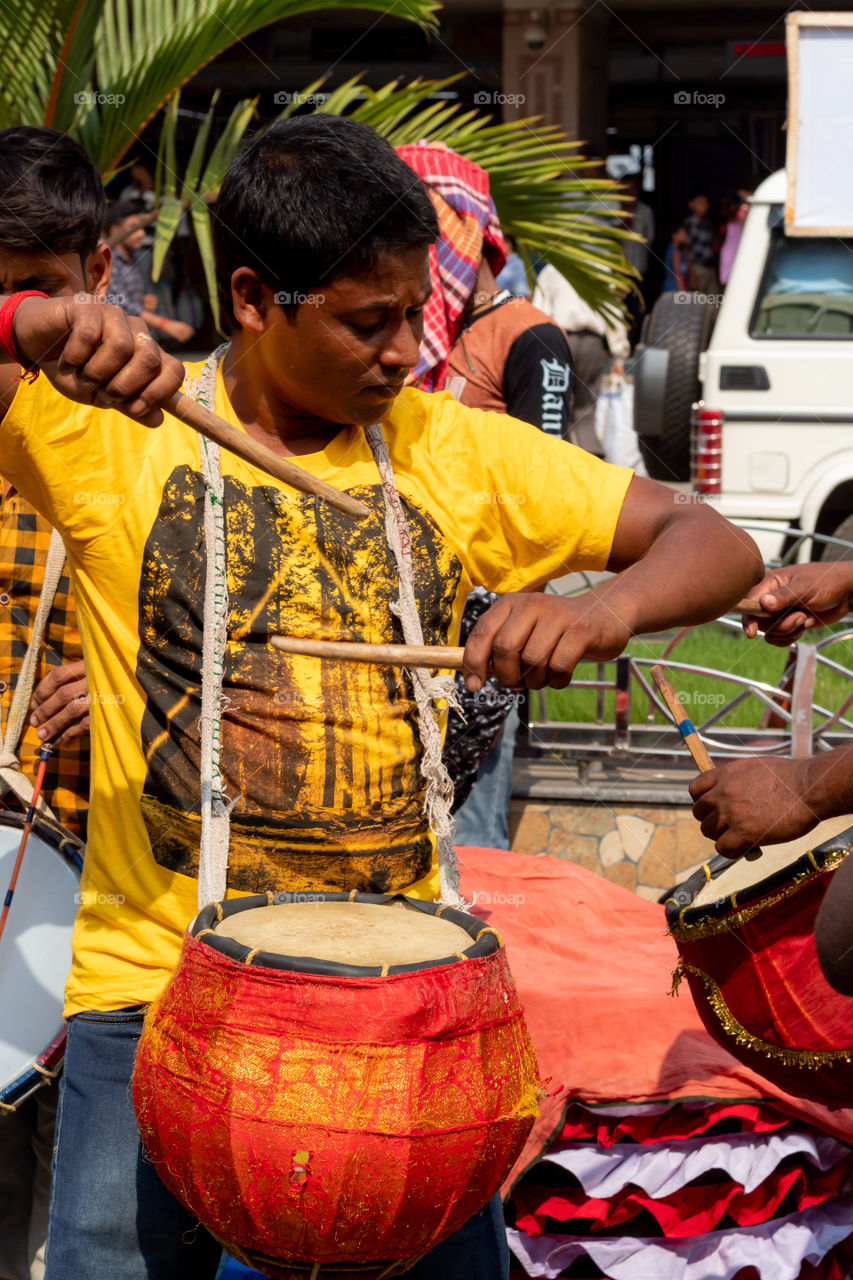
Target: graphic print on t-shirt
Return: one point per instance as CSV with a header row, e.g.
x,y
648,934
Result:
x,y
321,759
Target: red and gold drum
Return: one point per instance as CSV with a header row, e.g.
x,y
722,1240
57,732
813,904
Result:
x,y
745,935
334,1084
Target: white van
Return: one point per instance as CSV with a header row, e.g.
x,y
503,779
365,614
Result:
x,y
768,437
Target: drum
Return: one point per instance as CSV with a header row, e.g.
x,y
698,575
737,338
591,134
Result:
x,y
35,956
335,1083
745,936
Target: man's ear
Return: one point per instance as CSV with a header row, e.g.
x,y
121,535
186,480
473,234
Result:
x,y
98,268
253,302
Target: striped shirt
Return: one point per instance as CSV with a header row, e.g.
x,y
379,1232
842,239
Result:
x,y
24,541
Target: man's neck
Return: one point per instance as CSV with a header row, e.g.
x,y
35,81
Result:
x,y
265,416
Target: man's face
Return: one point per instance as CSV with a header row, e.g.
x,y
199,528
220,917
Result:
x,y
700,206
133,241
346,354
56,274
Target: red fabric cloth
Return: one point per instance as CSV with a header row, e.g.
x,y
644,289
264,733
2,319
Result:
x,y
768,978
593,965
334,1119
692,1211
583,1125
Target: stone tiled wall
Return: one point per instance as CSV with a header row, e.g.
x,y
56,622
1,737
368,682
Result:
x,y
642,849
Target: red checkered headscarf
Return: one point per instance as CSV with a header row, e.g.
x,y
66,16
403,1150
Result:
x,y
468,222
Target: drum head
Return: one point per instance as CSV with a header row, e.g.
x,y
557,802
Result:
x,y
347,933
740,875
360,935
35,950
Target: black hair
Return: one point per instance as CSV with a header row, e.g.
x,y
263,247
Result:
x,y
696,192
314,198
118,210
51,194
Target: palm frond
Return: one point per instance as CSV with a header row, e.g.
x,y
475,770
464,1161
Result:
x,y
101,69
141,61
32,36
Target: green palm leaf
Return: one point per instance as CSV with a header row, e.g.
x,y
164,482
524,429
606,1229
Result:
x,y
144,50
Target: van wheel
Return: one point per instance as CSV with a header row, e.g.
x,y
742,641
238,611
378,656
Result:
x,y
682,325
832,551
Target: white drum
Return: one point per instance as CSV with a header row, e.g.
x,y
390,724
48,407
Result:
x,y
35,955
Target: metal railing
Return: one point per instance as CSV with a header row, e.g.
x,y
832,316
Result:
x,y
789,719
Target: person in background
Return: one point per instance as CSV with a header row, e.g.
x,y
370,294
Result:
x,y
127,288
595,344
513,276
51,209
678,269
639,218
700,242
508,357
731,239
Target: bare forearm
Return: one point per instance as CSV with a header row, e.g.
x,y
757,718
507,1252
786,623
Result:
x,y
828,789
697,567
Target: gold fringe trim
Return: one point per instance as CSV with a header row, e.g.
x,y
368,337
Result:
x,y
812,1059
741,916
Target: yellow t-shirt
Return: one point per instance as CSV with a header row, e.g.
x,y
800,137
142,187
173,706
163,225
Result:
x,y
320,759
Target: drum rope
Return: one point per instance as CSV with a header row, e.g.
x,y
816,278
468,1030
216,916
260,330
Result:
x,y
11,775
439,787
215,808
215,823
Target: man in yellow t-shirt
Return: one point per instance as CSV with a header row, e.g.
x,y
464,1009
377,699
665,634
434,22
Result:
x,y
322,241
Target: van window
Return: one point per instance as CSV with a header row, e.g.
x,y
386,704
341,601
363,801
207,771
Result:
x,y
807,289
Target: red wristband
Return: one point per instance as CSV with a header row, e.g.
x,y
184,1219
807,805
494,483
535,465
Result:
x,y
7,339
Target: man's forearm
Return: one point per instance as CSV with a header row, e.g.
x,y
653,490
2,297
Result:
x,y
829,783
696,568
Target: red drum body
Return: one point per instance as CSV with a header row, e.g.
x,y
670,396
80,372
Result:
x,y
323,1117
748,953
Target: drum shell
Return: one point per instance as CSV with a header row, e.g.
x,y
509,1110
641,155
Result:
x,y
751,963
316,1119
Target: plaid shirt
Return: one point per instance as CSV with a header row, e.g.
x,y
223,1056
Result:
x,y
24,540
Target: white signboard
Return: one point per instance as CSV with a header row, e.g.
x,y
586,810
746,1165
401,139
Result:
x,y
820,124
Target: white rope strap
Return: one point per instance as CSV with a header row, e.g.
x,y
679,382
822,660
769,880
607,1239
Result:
x,y
12,778
215,822
439,787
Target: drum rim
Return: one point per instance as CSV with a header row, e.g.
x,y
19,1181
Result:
x,y
682,915
68,846
485,939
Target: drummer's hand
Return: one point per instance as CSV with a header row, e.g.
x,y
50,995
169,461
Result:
x,y
753,802
824,591
94,353
61,704
533,640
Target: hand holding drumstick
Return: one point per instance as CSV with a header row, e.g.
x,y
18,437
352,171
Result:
x,y
695,746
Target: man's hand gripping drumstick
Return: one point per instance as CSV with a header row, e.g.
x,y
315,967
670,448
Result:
x,y
93,353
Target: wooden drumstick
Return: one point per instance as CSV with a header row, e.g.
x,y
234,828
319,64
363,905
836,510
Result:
x,y
212,427
442,656
685,727
44,757
755,607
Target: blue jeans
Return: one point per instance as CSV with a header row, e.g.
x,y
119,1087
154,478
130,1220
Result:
x,y
111,1218
483,820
